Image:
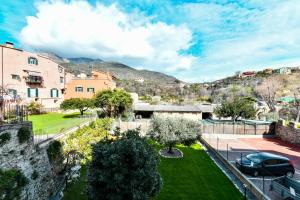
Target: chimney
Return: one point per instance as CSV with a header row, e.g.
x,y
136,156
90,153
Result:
x,y
9,44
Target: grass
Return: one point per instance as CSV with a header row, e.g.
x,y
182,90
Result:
x,y
195,176
76,191
53,123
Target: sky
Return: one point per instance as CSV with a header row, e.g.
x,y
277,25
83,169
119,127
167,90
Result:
x,y
193,40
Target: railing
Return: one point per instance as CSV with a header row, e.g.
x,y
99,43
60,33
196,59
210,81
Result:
x,y
240,127
13,114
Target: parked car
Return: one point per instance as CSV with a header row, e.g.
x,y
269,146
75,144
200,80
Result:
x,y
268,164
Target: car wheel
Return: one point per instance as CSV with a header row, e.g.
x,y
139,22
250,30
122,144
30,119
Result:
x,y
289,174
255,173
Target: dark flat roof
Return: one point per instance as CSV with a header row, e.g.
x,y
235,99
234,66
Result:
x,y
173,108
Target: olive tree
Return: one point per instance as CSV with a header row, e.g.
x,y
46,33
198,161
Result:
x,y
126,168
172,130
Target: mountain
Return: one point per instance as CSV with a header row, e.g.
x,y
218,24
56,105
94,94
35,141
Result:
x,y
119,70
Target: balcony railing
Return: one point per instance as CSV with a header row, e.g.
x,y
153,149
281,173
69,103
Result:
x,y
34,80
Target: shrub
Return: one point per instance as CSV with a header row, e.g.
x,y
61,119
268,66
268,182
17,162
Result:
x,y
124,169
24,134
4,138
34,108
11,183
55,152
81,141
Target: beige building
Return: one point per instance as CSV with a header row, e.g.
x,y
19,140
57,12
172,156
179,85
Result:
x,y
31,77
85,87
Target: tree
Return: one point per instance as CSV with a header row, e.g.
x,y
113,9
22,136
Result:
x,y
268,89
126,168
114,102
82,104
236,107
172,130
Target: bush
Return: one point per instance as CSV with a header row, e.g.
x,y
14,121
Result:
x,y
81,141
55,152
34,108
124,169
24,134
12,182
4,138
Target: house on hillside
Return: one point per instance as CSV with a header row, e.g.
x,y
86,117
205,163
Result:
x,y
31,77
283,70
140,80
247,74
195,112
268,71
86,87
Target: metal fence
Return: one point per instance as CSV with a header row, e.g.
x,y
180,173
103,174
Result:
x,y
240,127
13,114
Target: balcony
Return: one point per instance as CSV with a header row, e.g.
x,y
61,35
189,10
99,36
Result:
x,y
34,80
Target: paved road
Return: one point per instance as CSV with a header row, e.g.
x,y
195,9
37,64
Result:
x,y
238,146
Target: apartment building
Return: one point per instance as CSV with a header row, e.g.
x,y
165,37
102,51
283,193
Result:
x,y
82,86
31,77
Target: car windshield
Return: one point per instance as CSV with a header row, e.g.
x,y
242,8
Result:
x,y
254,158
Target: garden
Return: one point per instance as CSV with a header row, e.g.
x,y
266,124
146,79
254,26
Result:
x,y
163,173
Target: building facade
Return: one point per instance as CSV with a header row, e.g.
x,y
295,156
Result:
x,y
86,87
31,77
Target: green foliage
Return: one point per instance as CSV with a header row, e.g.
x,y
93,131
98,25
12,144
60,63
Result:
x,y
82,104
124,169
81,141
34,108
4,138
11,183
24,134
55,152
237,107
170,131
113,102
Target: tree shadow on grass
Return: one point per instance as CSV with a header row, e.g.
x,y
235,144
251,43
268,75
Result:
x,y
75,115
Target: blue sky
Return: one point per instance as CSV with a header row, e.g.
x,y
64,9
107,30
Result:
x,y
195,41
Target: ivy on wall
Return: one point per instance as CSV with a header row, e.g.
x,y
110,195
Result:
x,y
24,134
4,138
12,182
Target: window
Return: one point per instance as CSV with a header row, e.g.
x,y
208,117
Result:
x,y
32,61
32,92
15,77
271,162
61,79
90,89
79,89
54,92
12,92
60,69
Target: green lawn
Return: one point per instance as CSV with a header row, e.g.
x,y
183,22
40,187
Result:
x,y
53,123
195,176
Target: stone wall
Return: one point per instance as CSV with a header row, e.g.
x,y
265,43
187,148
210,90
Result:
x,y
288,133
29,159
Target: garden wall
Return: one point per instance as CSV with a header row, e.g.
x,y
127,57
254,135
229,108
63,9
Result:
x,y
32,161
288,133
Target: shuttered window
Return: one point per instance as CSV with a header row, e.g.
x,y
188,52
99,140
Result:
x,y
54,92
32,92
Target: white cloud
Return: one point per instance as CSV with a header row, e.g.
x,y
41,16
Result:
x,y
78,29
